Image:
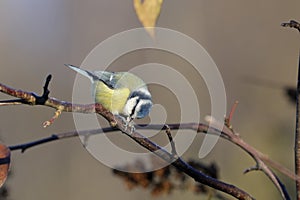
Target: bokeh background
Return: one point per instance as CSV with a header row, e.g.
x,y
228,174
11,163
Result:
x,y
244,38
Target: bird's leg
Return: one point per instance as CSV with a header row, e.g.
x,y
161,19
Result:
x,y
127,123
130,124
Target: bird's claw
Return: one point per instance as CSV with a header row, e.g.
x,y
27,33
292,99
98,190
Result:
x,y
128,123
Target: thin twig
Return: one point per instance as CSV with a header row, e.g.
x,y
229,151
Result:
x,y
23,147
297,137
230,116
11,102
168,131
296,25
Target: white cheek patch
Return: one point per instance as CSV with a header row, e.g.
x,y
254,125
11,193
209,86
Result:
x,y
130,104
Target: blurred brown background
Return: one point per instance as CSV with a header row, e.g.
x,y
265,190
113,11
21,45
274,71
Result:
x,y
244,38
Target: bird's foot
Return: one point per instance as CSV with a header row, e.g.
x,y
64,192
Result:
x,y
128,123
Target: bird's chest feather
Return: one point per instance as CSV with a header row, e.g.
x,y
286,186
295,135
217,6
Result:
x,y
112,99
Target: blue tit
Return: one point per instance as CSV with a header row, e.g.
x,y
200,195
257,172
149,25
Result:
x,y
122,93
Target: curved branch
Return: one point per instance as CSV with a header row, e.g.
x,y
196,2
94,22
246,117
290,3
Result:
x,y
296,25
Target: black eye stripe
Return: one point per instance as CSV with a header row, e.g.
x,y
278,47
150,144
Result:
x,y
134,107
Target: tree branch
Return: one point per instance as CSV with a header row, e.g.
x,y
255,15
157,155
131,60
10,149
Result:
x,y
296,25
297,133
31,99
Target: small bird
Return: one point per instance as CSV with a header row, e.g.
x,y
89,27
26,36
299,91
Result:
x,y
122,93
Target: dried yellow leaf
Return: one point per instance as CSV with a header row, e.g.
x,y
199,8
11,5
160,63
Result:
x,y
148,12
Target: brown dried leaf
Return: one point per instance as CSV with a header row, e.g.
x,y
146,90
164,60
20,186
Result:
x,y
148,12
4,163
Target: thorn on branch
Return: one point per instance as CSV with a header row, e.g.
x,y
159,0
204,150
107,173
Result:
x,y
292,24
229,118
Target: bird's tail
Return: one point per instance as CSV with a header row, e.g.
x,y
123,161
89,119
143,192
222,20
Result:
x,y
83,72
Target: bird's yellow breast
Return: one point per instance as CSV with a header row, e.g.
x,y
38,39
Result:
x,y
112,99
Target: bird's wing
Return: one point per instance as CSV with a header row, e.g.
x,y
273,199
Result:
x,y
118,80
105,77
114,80
108,78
